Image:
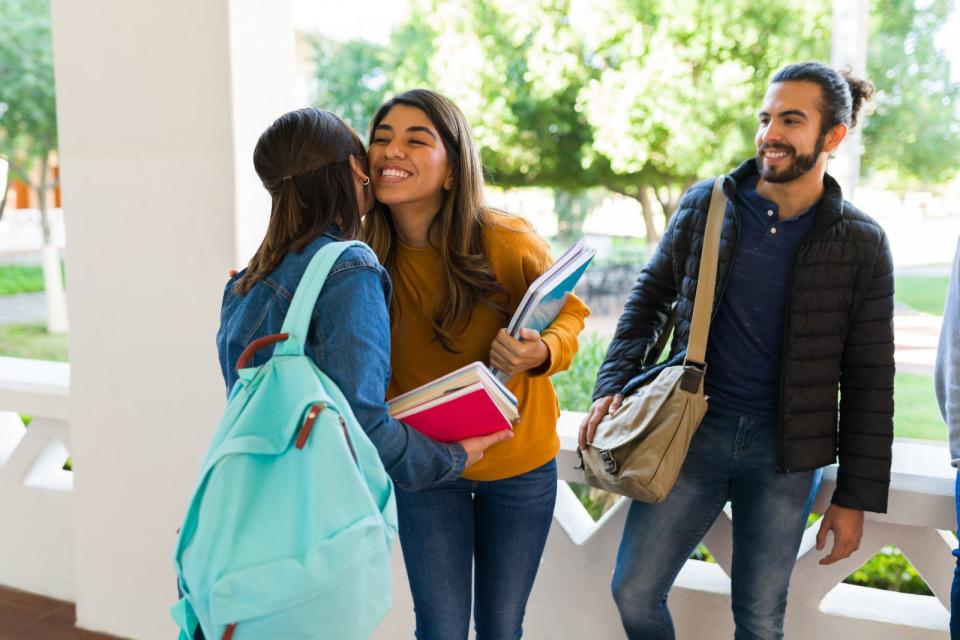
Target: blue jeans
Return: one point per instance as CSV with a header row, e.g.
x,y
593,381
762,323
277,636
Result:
x,y
730,459
955,591
490,534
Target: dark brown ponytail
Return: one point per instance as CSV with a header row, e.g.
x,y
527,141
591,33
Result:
x,y
861,92
303,162
843,93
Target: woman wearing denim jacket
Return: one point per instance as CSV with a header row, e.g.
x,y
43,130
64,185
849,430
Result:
x,y
312,163
459,271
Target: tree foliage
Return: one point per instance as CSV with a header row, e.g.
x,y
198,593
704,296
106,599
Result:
x,y
28,124
28,119
914,134
643,97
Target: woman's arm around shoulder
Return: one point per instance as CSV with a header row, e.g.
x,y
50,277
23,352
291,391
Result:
x,y
350,338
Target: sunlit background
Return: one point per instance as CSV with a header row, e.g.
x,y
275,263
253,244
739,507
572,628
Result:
x,y
593,117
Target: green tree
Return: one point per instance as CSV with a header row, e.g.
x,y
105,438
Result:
x,y
28,121
680,83
645,97
352,79
914,134
641,98
355,77
485,59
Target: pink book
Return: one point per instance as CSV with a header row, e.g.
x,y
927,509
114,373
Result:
x,y
466,412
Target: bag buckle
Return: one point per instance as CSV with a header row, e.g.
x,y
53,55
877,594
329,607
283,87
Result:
x,y
609,462
693,373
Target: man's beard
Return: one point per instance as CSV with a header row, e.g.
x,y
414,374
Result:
x,y
800,165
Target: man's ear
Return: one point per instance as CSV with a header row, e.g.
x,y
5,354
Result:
x,y
357,169
834,137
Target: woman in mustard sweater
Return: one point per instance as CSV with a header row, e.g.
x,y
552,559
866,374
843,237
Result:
x,y
459,270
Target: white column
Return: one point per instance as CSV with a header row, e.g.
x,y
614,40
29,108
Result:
x,y
851,26
158,104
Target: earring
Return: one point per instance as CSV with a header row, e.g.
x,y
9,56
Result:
x,y
364,180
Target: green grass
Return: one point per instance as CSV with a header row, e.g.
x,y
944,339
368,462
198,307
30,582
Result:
x,y
890,570
32,341
575,385
915,412
17,279
923,293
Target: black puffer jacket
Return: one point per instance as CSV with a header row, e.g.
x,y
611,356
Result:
x,y
838,334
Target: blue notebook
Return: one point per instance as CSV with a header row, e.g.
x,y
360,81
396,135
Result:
x,y
548,293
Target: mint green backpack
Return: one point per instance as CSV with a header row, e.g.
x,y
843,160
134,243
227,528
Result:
x,y
290,528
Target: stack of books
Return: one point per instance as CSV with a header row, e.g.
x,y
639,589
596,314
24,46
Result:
x,y
464,403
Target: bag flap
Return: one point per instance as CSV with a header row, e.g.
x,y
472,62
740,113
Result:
x,y
630,420
269,410
266,589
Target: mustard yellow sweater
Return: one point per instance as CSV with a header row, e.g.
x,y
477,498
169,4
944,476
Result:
x,y
517,256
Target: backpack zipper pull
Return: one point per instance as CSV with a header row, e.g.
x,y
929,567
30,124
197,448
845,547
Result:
x,y
346,434
307,427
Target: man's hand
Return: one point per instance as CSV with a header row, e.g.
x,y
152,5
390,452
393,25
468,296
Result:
x,y
513,356
847,527
600,408
476,445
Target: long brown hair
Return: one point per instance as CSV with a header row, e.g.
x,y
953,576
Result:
x,y
303,161
457,229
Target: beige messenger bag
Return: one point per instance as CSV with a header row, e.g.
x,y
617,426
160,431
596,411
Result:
x,y
639,450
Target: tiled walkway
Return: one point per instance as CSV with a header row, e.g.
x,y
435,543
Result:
x,y
25,616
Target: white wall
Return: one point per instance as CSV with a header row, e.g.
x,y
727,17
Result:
x,y
158,106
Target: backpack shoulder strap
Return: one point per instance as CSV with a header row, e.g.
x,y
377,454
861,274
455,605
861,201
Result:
x,y
297,321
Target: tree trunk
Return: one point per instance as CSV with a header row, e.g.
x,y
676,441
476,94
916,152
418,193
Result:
x,y
643,196
851,27
6,190
666,204
571,210
52,278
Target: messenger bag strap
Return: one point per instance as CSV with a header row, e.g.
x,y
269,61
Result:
x,y
706,280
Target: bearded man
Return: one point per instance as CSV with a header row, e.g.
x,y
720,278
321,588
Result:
x,y
803,311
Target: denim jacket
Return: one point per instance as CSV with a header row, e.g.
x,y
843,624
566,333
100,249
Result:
x,y
349,340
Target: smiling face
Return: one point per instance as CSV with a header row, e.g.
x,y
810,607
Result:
x,y
789,138
409,165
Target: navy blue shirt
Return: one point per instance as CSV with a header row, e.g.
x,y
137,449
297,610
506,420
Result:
x,y
745,346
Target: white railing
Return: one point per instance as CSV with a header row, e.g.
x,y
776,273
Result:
x,y
571,598
36,493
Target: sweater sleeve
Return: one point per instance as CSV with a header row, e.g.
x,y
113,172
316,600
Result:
x,y
947,371
561,336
